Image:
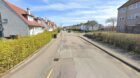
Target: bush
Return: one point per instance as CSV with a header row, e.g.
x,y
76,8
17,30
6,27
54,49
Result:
x,y
13,52
130,42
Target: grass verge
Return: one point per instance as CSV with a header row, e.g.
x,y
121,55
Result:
x,y
129,42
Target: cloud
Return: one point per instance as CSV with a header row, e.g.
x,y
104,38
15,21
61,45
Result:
x,y
100,14
81,13
69,12
46,1
59,7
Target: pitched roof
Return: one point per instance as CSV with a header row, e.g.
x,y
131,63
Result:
x,y
21,14
129,3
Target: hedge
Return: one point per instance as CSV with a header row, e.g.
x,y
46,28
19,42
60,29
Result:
x,y
13,52
130,42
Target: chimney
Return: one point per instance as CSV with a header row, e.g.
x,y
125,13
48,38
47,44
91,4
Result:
x,y
28,11
46,19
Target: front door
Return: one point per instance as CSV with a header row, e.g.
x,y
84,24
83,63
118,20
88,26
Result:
x,y
1,28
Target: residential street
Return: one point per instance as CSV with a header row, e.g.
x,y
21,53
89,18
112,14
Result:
x,y
77,59
69,39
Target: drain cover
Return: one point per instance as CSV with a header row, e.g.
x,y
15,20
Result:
x,y
56,59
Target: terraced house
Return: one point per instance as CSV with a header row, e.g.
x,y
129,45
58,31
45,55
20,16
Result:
x,y
51,25
129,17
16,21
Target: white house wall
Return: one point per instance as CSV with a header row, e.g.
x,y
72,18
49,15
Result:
x,y
89,28
36,30
83,28
46,26
15,25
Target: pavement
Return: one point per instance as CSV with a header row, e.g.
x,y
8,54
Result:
x,y
129,58
74,58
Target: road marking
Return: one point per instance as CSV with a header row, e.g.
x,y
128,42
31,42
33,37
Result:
x,y
50,73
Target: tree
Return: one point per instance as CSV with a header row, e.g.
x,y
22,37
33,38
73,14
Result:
x,y
86,25
112,21
91,23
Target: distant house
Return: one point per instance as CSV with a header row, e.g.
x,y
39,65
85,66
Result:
x,y
44,22
16,21
129,17
54,26
51,25
90,28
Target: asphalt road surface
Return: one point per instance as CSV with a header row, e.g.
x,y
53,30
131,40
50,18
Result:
x,y
80,59
77,59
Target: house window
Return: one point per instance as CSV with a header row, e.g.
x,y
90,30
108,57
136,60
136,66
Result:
x,y
30,18
121,18
123,10
134,6
138,5
5,21
134,16
137,15
130,17
130,7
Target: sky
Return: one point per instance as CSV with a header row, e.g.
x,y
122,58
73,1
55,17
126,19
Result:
x,y
69,12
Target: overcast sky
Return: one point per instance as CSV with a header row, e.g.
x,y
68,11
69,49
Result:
x,y
68,12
